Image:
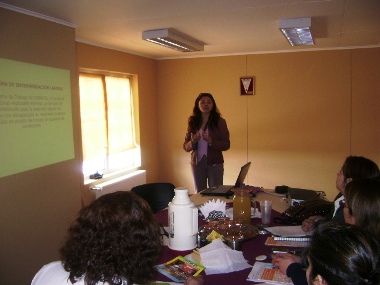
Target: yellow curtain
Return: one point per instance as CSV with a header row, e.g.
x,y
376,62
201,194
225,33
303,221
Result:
x,y
120,115
93,116
106,115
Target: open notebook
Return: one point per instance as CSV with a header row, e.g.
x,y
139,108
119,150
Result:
x,y
226,190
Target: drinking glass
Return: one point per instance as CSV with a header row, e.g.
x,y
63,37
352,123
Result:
x,y
266,210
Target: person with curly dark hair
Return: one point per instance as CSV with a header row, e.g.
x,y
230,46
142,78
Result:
x,y
343,254
206,137
115,240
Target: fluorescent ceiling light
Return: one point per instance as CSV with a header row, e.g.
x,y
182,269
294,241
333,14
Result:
x,y
297,31
173,39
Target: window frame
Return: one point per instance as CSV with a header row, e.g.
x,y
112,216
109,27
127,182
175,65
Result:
x,y
133,154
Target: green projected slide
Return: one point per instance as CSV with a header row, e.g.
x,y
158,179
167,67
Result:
x,y
36,127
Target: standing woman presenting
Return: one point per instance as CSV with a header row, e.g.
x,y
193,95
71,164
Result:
x,y
206,137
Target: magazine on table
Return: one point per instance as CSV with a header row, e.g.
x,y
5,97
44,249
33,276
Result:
x,y
266,272
179,269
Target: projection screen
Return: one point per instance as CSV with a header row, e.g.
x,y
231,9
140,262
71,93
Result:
x,y
36,127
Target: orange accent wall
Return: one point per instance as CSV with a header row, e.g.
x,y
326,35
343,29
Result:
x,y
37,206
310,111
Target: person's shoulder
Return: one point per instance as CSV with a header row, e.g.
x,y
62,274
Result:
x,y
339,196
221,120
52,273
222,123
55,265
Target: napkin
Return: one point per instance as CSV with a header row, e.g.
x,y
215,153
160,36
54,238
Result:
x,y
215,207
218,258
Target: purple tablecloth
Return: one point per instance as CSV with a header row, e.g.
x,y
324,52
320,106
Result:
x,y
251,249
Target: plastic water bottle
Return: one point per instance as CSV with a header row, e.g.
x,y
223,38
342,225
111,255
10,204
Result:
x,y
183,221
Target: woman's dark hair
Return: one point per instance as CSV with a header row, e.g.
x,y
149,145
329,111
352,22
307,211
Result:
x,y
114,239
356,167
363,200
344,254
195,120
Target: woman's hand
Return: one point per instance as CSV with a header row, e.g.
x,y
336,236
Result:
x,y
207,138
195,137
282,260
194,280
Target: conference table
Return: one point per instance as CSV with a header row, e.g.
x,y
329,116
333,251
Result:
x,y
250,248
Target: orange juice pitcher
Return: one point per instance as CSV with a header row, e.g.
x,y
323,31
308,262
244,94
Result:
x,y
242,205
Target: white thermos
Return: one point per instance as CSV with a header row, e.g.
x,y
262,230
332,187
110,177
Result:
x,y
183,221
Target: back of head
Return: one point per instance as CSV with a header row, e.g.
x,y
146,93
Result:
x,y
363,200
357,167
113,239
344,254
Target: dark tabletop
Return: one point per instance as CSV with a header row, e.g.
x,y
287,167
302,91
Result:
x,y
250,248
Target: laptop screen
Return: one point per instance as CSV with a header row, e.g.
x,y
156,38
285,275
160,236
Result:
x,y
242,174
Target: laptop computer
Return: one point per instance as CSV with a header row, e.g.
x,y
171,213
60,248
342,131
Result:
x,y
226,190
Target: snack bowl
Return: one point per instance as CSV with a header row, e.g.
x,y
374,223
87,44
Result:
x,y
235,244
233,237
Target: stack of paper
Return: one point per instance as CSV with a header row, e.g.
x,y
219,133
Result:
x,y
292,236
288,231
271,241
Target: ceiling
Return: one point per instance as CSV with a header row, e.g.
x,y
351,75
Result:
x,y
227,27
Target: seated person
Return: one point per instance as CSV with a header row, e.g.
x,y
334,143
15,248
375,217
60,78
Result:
x,y
343,254
362,204
114,241
354,167
361,207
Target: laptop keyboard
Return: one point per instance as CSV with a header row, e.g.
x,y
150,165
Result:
x,y
222,189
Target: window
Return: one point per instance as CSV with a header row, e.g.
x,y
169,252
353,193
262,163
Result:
x,y
108,125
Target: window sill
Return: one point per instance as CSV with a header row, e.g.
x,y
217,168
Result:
x,y
108,176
